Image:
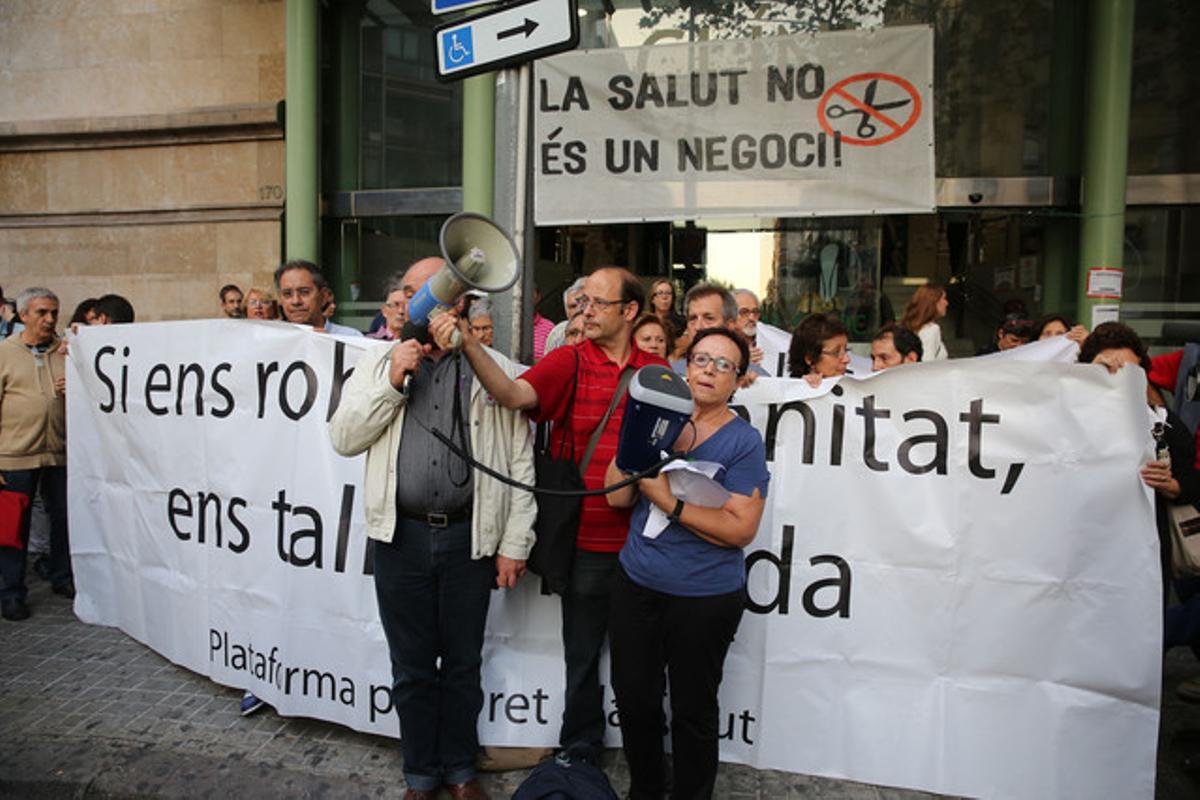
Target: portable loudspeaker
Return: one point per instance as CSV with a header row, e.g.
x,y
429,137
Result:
x,y
479,254
658,407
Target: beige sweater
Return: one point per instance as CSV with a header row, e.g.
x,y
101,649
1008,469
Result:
x,y
33,418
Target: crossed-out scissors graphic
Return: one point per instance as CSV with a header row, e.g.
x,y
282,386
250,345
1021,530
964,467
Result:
x,y
866,128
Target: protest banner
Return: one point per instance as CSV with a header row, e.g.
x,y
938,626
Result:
x,y
955,585
830,124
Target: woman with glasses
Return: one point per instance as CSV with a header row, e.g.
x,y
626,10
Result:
x,y
260,304
819,349
662,304
678,596
479,320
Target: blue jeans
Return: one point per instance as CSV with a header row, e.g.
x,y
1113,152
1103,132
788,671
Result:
x,y
52,481
585,608
433,601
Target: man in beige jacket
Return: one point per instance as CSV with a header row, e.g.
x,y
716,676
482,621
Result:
x,y
33,443
445,536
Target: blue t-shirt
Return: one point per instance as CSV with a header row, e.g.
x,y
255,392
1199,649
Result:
x,y
678,561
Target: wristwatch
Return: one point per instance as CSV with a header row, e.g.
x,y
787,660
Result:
x,y
674,515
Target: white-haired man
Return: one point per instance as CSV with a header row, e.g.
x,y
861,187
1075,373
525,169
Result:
x,y
33,442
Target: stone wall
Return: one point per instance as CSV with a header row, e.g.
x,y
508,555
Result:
x,y
140,151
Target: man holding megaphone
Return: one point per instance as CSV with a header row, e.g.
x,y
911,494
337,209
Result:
x,y
573,388
445,535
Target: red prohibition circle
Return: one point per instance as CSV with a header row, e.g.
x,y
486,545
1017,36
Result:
x,y
877,117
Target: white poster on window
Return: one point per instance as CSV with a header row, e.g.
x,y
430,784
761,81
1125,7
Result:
x,y
954,587
809,125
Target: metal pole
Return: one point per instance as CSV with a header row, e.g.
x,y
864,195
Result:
x,y
1106,144
301,125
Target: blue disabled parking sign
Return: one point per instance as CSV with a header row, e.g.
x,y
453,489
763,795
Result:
x,y
457,50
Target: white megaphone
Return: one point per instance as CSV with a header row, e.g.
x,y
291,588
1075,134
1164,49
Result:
x,y
479,254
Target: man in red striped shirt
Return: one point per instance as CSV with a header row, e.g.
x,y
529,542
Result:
x,y
612,299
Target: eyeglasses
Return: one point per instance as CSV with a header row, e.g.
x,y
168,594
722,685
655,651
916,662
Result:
x,y
482,328
722,365
749,312
663,293
256,303
584,301
841,351
396,306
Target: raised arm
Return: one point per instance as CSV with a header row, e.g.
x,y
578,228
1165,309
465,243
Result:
x,y
515,394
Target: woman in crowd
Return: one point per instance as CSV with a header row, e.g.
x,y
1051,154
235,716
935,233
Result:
x,y
929,304
1058,325
1114,346
819,348
677,598
260,304
652,335
662,305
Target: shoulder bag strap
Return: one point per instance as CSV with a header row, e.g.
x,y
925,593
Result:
x,y
622,384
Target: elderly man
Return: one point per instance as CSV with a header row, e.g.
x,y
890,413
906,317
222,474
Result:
x,y
558,334
894,345
444,536
577,384
33,442
479,319
707,305
231,301
749,314
394,310
304,293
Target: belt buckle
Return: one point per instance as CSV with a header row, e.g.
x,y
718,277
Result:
x,y
437,519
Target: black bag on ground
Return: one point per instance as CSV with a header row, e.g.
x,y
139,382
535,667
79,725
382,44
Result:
x,y
554,780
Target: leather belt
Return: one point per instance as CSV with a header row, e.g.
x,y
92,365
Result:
x,y
438,519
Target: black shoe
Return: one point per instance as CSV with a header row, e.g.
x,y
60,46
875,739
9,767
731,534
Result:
x,y
66,589
41,566
14,609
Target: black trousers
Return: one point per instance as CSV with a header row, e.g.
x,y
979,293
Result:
x,y
585,608
688,637
52,482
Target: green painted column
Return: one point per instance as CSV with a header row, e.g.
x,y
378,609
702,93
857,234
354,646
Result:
x,y
1106,143
479,142
301,128
348,115
1066,111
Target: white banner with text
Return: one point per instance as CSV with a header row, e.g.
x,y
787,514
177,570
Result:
x,y
955,585
828,124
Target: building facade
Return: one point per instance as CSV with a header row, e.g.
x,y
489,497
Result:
x,y
159,170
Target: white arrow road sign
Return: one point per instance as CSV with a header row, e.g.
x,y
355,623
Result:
x,y
507,36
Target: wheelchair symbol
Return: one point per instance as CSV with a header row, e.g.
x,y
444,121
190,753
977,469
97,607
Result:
x,y
457,52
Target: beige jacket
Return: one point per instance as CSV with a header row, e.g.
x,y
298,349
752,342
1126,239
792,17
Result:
x,y
33,418
370,417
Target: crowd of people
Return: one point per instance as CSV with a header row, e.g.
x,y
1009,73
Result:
x,y
446,535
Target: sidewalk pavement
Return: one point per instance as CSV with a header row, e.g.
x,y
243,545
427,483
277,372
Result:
x,y
87,712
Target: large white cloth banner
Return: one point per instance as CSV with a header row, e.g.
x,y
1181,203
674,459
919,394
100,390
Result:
x,y
954,587
807,125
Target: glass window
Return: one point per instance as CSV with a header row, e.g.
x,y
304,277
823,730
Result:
x,y
411,133
1164,100
1162,269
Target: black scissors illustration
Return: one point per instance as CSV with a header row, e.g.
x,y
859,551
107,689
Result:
x,y
866,128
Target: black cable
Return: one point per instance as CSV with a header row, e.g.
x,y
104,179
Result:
x,y
486,470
